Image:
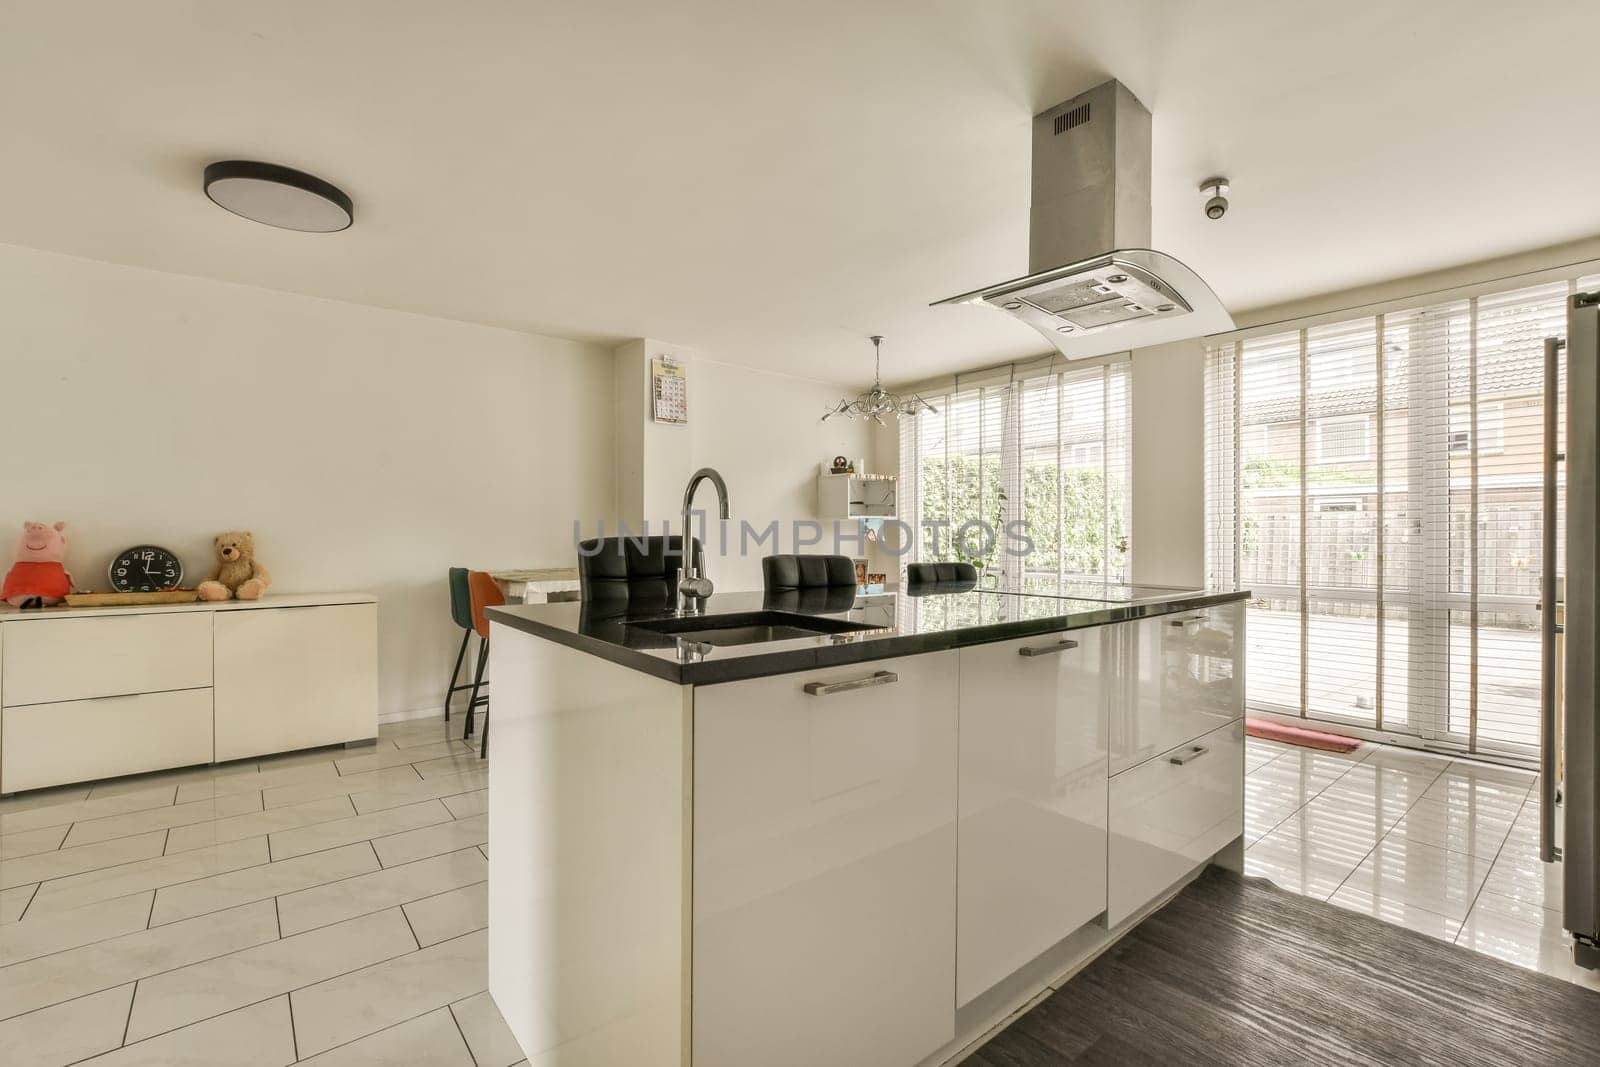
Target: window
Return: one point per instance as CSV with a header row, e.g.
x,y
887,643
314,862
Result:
x,y
1052,451
1376,483
1491,428
1089,455
1342,440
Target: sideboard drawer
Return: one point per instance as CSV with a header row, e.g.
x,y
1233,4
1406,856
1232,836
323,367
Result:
x,y
47,660
84,740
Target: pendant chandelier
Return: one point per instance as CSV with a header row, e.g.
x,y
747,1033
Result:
x,y
877,402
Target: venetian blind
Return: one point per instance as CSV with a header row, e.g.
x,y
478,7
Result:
x,y
1052,451
1376,483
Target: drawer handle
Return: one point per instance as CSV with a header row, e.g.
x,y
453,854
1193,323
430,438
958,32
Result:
x,y
1045,650
1187,621
1194,753
822,689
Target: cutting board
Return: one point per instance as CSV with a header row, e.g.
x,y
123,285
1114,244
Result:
x,y
111,600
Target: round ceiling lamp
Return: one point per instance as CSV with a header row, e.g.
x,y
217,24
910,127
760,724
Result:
x,y
278,196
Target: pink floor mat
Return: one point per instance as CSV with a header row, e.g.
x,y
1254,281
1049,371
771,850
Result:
x,y
1299,735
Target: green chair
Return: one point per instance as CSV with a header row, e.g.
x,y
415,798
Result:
x,y
461,615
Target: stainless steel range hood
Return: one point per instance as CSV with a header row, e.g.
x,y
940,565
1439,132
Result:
x,y
1095,286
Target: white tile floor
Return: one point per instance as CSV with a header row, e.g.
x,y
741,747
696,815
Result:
x,y
326,907
1446,847
330,907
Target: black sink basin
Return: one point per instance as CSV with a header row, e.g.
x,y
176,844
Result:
x,y
749,627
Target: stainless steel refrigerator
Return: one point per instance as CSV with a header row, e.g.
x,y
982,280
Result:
x,y
1570,752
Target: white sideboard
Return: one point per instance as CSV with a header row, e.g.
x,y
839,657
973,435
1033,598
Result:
x,y
89,693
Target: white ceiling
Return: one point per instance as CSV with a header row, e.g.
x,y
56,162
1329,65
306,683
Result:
x,y
769,183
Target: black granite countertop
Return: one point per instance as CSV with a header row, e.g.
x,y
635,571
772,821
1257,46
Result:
x,y
898,624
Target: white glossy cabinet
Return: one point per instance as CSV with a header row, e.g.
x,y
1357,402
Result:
x,y
295,678
1176,676
1171,814
89,693
824,866
1032,801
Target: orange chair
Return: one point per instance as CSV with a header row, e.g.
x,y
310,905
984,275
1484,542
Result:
x,y
484,593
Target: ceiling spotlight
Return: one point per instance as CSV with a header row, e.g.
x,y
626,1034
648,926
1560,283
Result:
x,y
1217,190
278,196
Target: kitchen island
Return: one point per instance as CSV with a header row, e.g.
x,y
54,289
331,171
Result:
x,y
820,828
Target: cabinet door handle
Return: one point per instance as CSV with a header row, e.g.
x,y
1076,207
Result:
x,y
1187,621
1194,753
1045,650
822,689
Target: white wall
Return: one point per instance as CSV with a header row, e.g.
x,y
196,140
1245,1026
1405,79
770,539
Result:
x,y
1168,464
367,449
654,459
762,431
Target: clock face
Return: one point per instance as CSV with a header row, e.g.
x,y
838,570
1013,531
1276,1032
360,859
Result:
x,y
145,569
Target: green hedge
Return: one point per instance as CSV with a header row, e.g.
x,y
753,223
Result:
x,y
1083,499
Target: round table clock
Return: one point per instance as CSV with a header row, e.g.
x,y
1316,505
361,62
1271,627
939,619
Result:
x,y
145,569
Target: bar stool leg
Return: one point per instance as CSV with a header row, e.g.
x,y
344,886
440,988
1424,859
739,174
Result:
x,y
477,682
456,673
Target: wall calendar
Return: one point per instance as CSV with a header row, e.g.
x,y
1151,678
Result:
x,y
669,390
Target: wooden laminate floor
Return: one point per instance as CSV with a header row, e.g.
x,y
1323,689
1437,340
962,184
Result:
x,y
1237,971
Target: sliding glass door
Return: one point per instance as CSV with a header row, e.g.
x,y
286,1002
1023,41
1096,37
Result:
x,y
1376,483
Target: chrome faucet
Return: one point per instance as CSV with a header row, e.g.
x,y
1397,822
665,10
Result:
x,y
693,585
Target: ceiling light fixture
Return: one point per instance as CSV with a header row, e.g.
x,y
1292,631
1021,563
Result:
x,y
278,196
877,401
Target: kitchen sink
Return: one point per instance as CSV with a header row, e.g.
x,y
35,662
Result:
x,y
749,627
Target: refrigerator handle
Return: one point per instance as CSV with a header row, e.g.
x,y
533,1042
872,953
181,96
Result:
x,y
1548,741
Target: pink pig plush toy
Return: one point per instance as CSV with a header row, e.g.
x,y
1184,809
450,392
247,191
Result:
x,y
39,578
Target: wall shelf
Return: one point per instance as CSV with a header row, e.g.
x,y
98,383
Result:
x,y
856,496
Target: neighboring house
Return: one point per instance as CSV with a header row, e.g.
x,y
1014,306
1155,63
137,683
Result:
x,y
1427,471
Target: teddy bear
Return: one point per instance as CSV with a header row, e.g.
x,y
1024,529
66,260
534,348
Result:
x,y
39,578
238,573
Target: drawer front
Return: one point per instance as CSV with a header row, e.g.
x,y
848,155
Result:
x,y
83,740
1178,676
1032,799
47,660
1171,814
825,866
